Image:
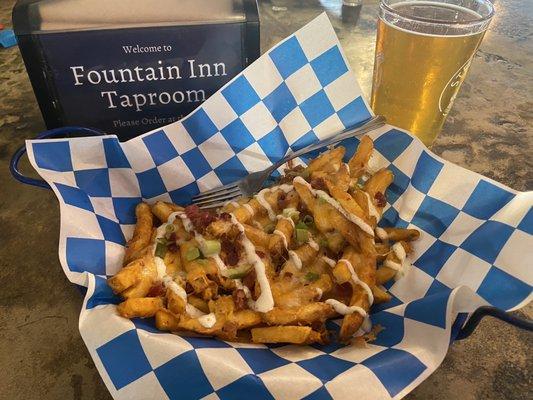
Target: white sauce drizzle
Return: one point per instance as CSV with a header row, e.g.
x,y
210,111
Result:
x,y
260,197
372,210
335,204
343,309
282,235
285,218
403,266
314,245
234,204
192,311
320,292
265,302
208,320
249,208
399,251
329,261
382,234
365,327
358,281
295,259
392,265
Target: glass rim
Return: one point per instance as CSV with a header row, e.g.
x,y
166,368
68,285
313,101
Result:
x,y
488,17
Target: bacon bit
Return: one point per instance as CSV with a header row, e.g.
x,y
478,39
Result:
x,y
318,184
230,250
172,237
381,201
249,280
239,298
156,290
302,208
225,216
260,253
282,201
188,288
199,218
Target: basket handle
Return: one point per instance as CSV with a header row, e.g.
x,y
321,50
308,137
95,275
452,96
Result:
x,y
497,313
52,133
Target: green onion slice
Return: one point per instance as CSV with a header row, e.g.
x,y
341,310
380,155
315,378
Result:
x,y
238,272
311,276
211,247
192,254
302,236
301,225
160,249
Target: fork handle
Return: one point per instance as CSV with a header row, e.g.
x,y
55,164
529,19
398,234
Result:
x,y
371,124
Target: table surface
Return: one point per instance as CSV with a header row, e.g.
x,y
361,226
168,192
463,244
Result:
x,y
489,130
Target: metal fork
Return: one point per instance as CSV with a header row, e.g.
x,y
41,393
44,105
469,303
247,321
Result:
x,y
252,183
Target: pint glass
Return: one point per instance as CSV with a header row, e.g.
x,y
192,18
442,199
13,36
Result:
x,y
423,52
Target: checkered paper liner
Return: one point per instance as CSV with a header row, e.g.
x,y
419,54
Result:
x,y
475,246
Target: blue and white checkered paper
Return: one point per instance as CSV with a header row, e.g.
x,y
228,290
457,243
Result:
x,y
476,244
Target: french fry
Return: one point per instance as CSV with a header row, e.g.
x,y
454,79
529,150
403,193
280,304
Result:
x,y
142,233
163,210
140,289
132,273
329,161
166,321
401,234
257,236
380,295
142,307
287,334
384,274
281,239
175,303
360,159
346,201
378,183
303,315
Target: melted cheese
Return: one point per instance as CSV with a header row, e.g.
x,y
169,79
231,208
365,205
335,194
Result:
x,y
335,204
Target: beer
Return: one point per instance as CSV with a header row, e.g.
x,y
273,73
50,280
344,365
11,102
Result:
x,y
419,68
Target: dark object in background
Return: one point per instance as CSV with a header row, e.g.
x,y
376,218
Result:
x,y
130,66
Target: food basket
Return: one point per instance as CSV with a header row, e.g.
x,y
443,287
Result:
x,y
470,262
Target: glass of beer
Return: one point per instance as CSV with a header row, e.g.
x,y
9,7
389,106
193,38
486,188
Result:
x,y
423,52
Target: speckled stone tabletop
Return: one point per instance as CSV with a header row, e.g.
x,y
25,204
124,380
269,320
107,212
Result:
x,y
489,130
